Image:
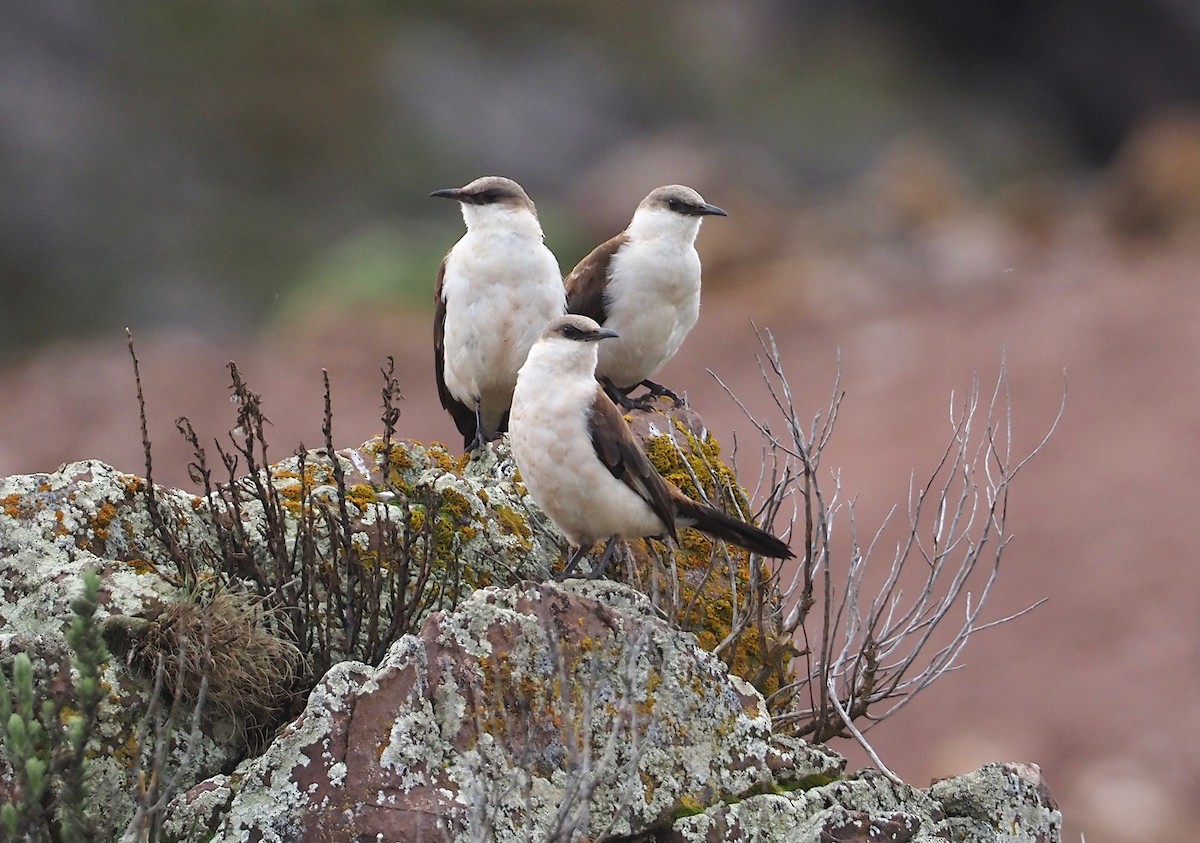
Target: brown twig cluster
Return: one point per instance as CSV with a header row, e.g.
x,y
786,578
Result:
x,y
872,632
265,611
841,639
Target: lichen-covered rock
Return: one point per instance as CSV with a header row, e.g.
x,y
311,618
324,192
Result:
x,y
467,523
1000,803
528,711
1006,802
53,527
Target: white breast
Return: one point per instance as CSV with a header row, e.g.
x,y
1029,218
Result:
x,y
553,449
500,291
653,301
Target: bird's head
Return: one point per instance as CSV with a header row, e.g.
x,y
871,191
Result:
x,y
567,345
577,329
493,201
673,210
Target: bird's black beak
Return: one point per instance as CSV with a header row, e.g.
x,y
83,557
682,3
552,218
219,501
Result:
x,y
709,210
603,334
449,193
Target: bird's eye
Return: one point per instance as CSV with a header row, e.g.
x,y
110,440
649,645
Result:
x,y
489,196
675,205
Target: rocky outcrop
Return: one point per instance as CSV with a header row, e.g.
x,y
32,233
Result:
x,y
547,712
157,555
529,710
53,527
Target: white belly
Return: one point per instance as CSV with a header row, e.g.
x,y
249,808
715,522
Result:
x,y
653,302
553,448
496,306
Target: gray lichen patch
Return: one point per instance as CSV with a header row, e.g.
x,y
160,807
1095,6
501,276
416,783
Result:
x,y
1010,801
997,804
525,711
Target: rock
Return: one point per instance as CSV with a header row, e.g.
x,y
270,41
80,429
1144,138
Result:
x,y
527,711
53,527
1000,803
524,710
470,524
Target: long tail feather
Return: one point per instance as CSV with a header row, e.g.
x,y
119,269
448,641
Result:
x,y
722,526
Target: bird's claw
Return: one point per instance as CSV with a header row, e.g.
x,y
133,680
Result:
x,y
656,391
645,403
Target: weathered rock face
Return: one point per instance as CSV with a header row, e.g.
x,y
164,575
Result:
x,y
52,528
533,711
571,712
528,713
469,522
1000,803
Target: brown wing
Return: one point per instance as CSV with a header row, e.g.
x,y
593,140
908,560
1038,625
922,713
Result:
x,y
621,455
588,281
464,416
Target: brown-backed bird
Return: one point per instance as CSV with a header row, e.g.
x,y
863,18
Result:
x,y
581,463
496,289
645,285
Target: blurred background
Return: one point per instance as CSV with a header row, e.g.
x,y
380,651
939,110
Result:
x,y
917,192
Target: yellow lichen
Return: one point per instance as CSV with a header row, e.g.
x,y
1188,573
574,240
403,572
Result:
x,y
15,506
132,484
689,805
105,513
362,495
440,457
514,524
142,566
710,612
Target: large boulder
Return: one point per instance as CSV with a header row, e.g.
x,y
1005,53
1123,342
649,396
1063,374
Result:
x,y
571,711
182,574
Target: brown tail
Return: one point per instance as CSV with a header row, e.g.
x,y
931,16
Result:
x,y
721,526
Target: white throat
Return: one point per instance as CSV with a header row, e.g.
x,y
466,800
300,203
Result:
x,y
501,219
655,223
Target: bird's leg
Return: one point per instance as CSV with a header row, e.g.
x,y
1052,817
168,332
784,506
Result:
x,y
598,570
574,562
658,390
479,439
618,395
646,402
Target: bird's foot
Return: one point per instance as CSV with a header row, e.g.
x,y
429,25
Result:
x,y
598,567
475,446
644,403
617,395
572,564
475,443
656,391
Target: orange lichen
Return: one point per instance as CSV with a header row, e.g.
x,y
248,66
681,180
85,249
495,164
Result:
x,y
16,506
105,513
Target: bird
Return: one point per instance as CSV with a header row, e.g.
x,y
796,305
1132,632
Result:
x,y
496,288
581,464
645,284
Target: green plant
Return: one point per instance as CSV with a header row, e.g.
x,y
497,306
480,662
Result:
x,y
46,743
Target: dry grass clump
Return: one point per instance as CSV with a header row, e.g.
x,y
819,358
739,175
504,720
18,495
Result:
x,y
212,644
